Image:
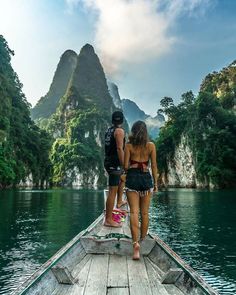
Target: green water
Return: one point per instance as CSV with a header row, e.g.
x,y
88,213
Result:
x,y
200,226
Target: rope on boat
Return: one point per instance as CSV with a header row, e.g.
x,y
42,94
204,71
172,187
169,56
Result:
x,y
112,235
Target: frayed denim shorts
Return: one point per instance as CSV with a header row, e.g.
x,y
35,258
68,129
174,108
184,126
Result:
x,y
139,181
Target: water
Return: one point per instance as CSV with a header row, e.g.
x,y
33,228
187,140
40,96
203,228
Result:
x,y
200,226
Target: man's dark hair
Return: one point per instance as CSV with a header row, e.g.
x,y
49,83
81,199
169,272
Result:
x,y
117,118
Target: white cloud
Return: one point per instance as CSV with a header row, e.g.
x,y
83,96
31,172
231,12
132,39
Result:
x,y
134,31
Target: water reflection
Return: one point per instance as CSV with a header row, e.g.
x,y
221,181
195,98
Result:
x,y
35,224
201,228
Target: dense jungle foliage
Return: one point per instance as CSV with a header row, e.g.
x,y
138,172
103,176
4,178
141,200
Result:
x,y
23,146
208,122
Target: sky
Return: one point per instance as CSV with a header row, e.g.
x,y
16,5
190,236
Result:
x,y
149,48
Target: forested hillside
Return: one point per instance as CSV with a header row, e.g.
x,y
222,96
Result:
x,y
23,146
197,146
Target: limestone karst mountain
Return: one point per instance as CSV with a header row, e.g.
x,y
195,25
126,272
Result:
x,y
89,81
78,125
47,104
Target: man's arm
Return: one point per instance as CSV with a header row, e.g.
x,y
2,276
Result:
x,y
119,137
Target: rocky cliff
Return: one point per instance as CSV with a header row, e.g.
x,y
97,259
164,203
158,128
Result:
x,y
181,167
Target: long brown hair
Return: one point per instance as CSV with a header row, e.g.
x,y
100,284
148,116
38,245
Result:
x,y
139,135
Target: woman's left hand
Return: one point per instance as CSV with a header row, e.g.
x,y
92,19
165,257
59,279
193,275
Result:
x,y
155,189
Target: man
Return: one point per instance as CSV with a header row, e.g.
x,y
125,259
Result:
x,y
114,161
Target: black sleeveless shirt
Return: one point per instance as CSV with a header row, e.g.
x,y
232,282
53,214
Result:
x,y
111,155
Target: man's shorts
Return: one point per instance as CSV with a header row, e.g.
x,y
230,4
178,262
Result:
x,y
114,174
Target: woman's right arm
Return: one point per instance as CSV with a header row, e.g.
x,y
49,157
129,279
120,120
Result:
x,y
154,165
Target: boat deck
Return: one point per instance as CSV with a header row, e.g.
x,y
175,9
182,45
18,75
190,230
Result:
x,y
116,274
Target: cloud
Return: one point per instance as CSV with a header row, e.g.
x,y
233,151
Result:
x,y
135,31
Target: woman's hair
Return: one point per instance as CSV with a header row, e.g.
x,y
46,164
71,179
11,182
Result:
x,y
139,135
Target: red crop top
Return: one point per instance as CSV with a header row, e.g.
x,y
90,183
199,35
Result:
x,y
141,165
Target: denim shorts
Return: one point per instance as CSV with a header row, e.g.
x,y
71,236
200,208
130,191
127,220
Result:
x,y
138,180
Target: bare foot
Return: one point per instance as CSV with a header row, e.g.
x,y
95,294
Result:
x,y
136,255
121,204
112,224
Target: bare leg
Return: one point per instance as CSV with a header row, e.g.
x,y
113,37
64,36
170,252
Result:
x,y
110,205
144,206
120,201
133,199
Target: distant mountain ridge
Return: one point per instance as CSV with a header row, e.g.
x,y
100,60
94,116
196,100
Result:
x,y
133,113
114,92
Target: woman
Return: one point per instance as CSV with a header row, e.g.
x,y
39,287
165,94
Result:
x,y
139,183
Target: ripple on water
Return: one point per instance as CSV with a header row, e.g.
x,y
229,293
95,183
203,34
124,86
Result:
x,y
197,234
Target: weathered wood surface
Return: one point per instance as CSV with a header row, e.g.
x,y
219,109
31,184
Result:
x,y
126,229
97,277
171,276
81,280
118,291
154,278
117,271
114,246
138,277
63,275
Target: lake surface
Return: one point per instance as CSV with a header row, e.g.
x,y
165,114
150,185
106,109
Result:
x,y
199,225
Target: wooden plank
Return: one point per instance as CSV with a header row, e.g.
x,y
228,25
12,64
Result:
x,y
78,288
79,267
173,290
138,277
104,230
161,259
82,276
63,275
123,246
171,276
117,271
154,278
97,277
76,254
118,291
117,230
